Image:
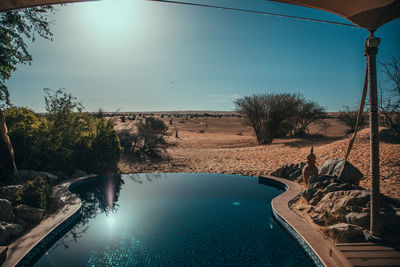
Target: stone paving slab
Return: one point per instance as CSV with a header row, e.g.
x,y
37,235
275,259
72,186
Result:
x,y
323,248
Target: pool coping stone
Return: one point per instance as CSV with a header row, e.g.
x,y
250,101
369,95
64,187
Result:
x,y
310,239
23,250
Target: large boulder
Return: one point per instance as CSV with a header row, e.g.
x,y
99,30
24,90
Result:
x,y
321,181
51,178
28,174
358,218
308,193
316,198
338,201
318,218
9,192
9,231
346,233
289,171
29,214
6,211
332,167
340,187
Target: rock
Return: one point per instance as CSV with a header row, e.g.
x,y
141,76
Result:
x,y
332,167
318,218
347,233
60,175
29,214
317,198
308,193
391,221
6,211
336,202
21,222
9,192
79,173
334,186
310,209
360,219
354,209
289,171
293,176
28,174
301,207
51,178
320,181
9,231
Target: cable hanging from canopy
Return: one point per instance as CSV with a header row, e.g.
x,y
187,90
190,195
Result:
x,y
259,12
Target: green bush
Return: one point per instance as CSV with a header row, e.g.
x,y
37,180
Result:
x,y
64,139
24,128
35,193
105,150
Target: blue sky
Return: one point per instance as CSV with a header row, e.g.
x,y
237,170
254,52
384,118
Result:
x,y
136,55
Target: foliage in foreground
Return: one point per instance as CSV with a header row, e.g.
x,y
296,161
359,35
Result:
x,y
63,139
278,115
16,27
35,193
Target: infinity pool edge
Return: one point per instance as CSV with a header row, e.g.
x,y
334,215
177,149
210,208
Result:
x,y
312,241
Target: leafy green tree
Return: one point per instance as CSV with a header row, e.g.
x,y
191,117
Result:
x,y
16,27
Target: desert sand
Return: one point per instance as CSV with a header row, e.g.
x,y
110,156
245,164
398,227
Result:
x,y
226,145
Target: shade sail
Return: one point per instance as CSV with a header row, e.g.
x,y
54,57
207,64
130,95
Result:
x,y
369,14
13,4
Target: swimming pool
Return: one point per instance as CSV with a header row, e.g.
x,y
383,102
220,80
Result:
x,y
176,220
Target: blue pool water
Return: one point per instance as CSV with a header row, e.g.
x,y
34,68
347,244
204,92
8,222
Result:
x,y
176,220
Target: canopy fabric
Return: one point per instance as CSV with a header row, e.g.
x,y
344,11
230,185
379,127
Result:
x,y
13,4
369,14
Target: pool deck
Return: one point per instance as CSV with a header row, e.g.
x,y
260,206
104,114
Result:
x,y
327,252
371,254
20,248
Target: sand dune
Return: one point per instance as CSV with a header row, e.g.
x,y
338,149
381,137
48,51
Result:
x,y
227,146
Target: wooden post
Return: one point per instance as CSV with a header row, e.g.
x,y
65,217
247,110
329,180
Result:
x,y
371,49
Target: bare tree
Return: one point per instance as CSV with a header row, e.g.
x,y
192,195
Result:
x,y
389,106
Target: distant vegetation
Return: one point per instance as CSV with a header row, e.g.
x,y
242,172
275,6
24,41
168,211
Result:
x,y
278,115
64,138
145,138
348,117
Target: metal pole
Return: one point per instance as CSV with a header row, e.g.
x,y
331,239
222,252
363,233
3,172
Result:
x,y
371,49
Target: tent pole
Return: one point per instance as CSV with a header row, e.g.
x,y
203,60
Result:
x,y
371,49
